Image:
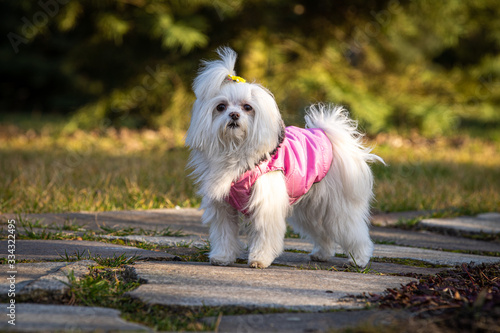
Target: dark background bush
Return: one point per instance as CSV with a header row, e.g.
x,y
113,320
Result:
x,y
426,66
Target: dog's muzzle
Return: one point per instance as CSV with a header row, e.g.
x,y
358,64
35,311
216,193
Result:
x,y
234,120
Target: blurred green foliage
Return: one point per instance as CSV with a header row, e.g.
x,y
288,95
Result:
x,y
427,66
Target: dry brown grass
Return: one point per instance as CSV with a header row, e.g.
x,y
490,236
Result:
x,y
449,173
49,171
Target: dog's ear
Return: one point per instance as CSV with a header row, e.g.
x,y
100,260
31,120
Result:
x,y
281,135
281,138
213,74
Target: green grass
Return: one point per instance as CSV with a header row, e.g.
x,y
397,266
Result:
x,y
47,170
106,287
165,232
70,225
115,261
409,262
29,229
290,233
35,229
354,267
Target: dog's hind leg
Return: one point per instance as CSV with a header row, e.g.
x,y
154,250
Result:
x,y
269,205
329,224
352,234
307,220
323,249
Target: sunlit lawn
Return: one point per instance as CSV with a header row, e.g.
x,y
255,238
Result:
x,y
461,175
46,171
93,172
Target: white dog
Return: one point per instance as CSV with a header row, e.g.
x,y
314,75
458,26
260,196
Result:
x,y
245,161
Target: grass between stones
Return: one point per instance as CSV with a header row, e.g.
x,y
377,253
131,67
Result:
x,y
31,230
115,261
105,286
199,254
399,261
36,230
409,262
39,231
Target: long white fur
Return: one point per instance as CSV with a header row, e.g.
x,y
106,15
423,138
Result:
x,y
334,211
337,209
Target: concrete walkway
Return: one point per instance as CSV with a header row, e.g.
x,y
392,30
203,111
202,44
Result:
x,y
169,237
200,284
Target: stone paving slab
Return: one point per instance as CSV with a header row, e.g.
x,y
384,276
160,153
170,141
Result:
x,y
393,251
27,273
57,281
302,261
61,318
186,219
425,239
47,277
393,218
57,249
431,256
307,322
190,241
381,250
200,284
483,223
408,238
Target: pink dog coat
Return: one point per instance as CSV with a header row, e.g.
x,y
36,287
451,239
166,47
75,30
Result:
x,y
304,157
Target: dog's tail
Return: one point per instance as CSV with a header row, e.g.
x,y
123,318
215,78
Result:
x,y
350,156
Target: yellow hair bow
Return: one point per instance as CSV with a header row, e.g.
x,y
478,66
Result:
x,y
236,78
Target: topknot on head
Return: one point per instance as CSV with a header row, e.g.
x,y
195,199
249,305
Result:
x,y
237,79
213,74
228,56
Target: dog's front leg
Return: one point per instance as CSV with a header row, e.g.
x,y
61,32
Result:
x,y
269,205
223,236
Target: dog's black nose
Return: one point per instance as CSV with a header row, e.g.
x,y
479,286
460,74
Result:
x,y
234,115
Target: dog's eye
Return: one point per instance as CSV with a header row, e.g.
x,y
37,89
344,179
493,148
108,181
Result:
x,y
247,107
221,107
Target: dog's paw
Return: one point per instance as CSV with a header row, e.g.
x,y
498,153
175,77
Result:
x,y
319,254
360,262
221,261
319,257
258,264
260,260
361,257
